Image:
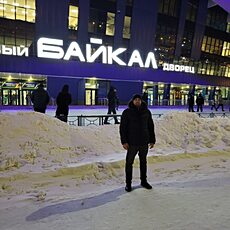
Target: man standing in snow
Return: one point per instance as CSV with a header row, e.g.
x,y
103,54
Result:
x,y
200,102
63,100
190,102
40,99
112,104
137,135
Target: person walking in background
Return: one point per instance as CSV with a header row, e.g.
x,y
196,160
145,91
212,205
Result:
x,y
190,102
200,102
145,97
28,99
220,101
40,99
112,103
137,135
63,101
213,106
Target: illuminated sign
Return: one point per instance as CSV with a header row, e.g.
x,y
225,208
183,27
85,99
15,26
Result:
x,y
14,50
53,48
178,68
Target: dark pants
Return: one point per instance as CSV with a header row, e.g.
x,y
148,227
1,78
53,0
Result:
x,y
220,105
62,117
40,110
111,110
213,106
131,153
190,108
199,107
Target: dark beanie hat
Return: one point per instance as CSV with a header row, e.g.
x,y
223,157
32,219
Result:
x,y
136,96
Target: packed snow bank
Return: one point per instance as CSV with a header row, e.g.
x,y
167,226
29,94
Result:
x,y
36,142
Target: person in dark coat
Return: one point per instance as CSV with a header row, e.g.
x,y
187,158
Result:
x,y
220,101
112,104
190,102
63,101
200,102
137,135
40,99
145,97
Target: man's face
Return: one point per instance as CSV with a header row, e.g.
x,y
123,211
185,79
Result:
x,y
137,102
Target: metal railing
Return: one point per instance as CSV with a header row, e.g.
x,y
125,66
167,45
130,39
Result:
x,y
213,114
96,120
86,120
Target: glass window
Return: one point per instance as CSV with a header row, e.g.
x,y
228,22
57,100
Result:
x,y
204,43
20,42
226,49
9,2
20,14
10,41
9,12
1,40
1,10
228,28
110,24
20,3
227,72
166,7
28,43
73,17
126,29
18,9
30,15
30,4
192,10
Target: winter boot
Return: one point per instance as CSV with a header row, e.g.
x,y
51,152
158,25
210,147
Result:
x,y
146,185
128,188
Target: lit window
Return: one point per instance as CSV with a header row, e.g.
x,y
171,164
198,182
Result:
x,y
73,17
20,3
30,15
226,49
23,10
20,14
126,29
1,10
110,24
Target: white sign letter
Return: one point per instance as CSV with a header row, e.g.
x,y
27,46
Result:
x,y
136,58
113,55
151,59
49,48
6,51
74,50
91,57
23,51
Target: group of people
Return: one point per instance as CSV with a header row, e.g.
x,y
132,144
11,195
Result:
x,y
200,102
136,127
40,99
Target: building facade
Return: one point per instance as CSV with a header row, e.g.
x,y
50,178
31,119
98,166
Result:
x,y
164,47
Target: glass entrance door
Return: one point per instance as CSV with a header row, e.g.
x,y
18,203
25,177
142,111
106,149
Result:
x,y
90,96
10,97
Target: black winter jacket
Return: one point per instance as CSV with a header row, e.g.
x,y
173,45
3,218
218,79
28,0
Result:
x,y
40,98
137,127
63,101
112,99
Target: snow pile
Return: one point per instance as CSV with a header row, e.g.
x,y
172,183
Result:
x,y
37,142
188,133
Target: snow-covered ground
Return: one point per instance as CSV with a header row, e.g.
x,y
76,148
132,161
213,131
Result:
x,y
53,175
